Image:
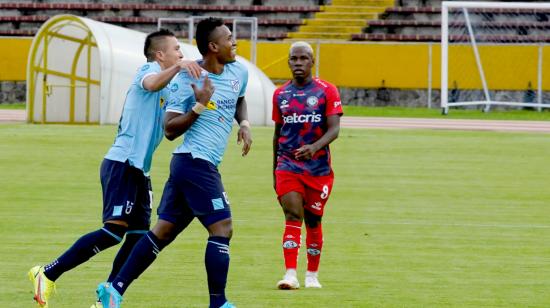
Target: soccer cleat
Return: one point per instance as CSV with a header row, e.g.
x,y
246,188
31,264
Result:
x,y
312,281
43,287
109,296
97,304
289,282
228,305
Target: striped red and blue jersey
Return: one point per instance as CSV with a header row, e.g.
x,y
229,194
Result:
x,y
303,112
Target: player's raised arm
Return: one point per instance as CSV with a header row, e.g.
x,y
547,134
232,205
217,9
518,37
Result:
x,y
243,135
158,81
175,124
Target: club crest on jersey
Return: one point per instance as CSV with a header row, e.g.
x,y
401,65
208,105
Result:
x,y
235,85
174,87
312,101
161,102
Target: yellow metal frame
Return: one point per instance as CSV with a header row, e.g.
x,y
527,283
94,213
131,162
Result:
x,y
41,66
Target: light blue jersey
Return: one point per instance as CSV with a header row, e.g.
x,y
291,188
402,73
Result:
x,y
207,137
141,126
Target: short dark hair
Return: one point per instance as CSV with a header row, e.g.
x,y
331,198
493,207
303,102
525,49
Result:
x,y
205,28
152,42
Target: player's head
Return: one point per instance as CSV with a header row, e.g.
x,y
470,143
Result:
x,y
163,47
215,39
300,60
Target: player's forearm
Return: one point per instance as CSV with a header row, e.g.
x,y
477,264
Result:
x,y
327,138
241,111
175,126
158,81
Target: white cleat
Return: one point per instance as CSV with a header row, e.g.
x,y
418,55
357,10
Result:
x,y
312,281
289,282
97,304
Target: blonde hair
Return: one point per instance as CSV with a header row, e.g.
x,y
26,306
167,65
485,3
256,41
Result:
x,y
301,44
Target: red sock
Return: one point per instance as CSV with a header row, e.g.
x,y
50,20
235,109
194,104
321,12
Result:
x,y
291,243
314,244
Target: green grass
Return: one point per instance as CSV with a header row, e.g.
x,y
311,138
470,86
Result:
x,y
13,106
417,219
404,112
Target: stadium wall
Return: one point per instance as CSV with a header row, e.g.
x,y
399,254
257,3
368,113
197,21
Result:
x,y
366,73
13,66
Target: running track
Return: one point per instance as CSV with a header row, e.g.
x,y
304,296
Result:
x,y
395,123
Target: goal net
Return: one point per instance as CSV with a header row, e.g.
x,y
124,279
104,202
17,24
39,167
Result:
x,y
495,53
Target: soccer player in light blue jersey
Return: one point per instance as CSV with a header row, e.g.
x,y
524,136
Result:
x,y
125,169
194,188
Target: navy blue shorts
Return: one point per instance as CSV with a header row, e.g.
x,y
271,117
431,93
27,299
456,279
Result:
x,y
194,189
127,194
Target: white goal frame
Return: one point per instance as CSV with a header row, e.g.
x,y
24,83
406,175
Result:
x,y
488,102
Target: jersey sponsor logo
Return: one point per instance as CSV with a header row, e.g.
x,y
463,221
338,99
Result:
x,y
338,103
290,244
312,101
299,94
284,104
302,118
313,252
145,67
226,103
211,105
235,85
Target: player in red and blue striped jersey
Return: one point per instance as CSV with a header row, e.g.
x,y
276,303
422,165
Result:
x,y
306,112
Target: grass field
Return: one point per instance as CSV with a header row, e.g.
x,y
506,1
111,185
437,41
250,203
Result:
x,y
417,219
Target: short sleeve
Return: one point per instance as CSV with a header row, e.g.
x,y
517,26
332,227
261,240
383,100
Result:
x,y
276,113
244,80
334,104
181,95
146,70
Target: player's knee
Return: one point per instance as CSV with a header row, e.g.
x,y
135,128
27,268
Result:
x,y
223,228
311,220
165,230
293,215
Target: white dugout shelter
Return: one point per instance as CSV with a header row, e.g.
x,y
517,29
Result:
x,y
79,70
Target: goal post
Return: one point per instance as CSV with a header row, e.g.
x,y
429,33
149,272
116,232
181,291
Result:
x,y
495,54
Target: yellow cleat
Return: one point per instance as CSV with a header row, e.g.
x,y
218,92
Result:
x,y
97,304
43,287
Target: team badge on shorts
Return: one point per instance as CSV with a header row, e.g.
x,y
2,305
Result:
x,y
235,85
312,101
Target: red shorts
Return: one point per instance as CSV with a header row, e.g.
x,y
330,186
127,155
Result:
x,y
314,189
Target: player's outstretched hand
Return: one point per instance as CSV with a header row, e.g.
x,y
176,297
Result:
x,y
244,135
203,94
305,152
192,67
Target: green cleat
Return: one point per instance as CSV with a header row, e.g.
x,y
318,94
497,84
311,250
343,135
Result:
x,y
43,287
